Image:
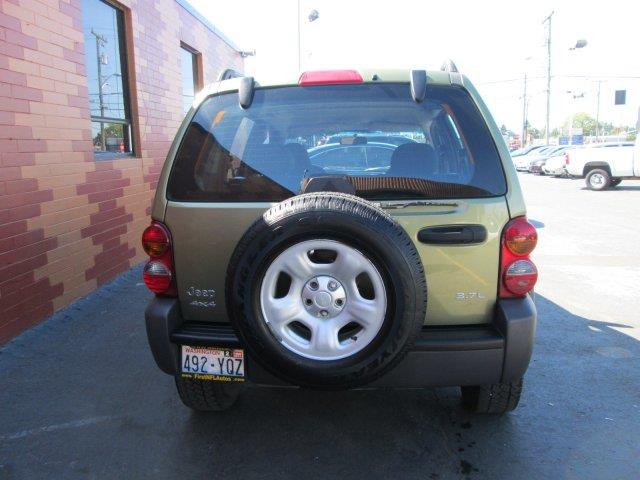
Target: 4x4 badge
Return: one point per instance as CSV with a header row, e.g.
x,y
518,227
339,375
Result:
x,y
201,297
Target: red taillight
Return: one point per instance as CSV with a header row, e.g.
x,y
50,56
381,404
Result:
x,y
328,77
520,277
518,274
157,276
155,240
158,273
566,159
520,236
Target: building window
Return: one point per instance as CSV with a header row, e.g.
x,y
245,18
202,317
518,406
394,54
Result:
x,y
190,80
105,52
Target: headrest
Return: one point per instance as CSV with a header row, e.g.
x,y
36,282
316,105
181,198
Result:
x,y
417,160
299,155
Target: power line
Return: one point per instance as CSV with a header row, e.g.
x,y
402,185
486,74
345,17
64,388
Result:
x,y
586,77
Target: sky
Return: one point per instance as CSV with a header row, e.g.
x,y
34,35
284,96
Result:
x,y
494,42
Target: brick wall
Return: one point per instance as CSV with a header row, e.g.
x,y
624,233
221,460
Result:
x,y
68,222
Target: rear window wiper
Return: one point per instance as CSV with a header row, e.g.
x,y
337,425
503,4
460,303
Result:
x,y
416,203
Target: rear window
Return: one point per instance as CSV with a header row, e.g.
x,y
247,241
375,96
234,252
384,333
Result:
x,y
374,135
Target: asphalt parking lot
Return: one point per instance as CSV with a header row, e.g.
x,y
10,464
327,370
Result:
x,y
82,398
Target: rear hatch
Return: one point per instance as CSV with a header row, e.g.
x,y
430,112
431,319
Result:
x,y
432,165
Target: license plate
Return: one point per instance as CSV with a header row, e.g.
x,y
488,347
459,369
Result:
x,y
213,363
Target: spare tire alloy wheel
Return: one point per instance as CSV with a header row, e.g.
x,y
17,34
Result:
x,y
324,315
326,291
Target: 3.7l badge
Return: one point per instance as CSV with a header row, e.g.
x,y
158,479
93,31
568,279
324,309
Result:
x,y
470,296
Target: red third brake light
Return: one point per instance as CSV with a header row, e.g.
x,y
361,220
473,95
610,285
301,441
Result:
x,y
329,77
158,273
566,159
518,274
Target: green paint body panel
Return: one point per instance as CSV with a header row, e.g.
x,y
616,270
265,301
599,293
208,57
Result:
x,y
462,280
205,235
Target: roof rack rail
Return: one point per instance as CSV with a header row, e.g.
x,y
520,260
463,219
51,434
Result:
x,y
455,77
229,73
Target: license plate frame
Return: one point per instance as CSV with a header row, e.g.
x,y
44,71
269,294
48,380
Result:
x,y
218,364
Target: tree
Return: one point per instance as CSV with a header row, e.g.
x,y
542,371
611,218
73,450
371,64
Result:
x,y
535,133
111,130
584,121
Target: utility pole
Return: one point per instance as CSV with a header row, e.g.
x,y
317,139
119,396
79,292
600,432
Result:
x,y
313,16
598,112
100,41
548,22
524,112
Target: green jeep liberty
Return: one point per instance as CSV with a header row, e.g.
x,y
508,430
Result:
x,y
339,230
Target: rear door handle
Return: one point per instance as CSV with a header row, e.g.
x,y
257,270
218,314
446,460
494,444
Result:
x,y
453,235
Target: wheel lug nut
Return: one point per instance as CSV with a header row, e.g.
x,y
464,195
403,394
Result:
x,y
324,313
333,285
313,285
339,302
308,301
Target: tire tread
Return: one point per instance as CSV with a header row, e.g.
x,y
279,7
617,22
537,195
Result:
x,y
496,398
359,210
206,395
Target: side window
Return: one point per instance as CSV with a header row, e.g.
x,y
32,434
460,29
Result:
x,y
454,163
229,160
104,42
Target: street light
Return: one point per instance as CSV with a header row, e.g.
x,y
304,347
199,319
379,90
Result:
x,y
103,83
579,44
313,16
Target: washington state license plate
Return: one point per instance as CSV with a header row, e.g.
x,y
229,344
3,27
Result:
x,y
213,363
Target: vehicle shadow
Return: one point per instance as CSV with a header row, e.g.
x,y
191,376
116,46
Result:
x,y
94,405
629,188
578,395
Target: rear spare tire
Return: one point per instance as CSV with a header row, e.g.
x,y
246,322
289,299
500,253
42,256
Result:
x,y
326,291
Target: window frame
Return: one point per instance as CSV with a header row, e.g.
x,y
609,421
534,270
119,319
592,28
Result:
x,y
129,99
198,80
503,188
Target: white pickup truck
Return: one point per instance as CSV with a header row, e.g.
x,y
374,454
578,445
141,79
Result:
x,y
604,165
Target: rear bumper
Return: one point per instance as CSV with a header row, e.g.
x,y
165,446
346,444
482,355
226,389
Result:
x,y
554,171
441,356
